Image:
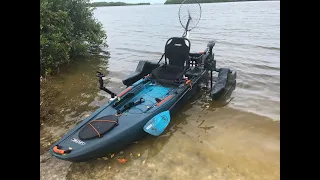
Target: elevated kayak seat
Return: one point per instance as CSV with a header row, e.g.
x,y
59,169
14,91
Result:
x,y
177,51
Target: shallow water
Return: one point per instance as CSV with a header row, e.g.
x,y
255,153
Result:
x,y
232,145
205,140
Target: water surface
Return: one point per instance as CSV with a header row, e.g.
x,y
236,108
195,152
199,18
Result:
x,y
247,35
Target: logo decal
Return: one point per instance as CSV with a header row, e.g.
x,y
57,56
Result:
x,y
78,141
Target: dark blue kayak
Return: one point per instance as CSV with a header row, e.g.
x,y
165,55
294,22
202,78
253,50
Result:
x,y
154,92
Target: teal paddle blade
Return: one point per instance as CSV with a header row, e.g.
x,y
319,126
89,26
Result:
x,y
158,123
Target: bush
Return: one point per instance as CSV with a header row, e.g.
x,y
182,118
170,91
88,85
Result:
x,y
67,30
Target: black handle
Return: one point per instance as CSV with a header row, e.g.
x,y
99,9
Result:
x,y
100,75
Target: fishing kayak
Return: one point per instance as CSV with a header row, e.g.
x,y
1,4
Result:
x,y
153,94
106,131
144,107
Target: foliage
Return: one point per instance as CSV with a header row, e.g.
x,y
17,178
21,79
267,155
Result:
x,y
67,30
98,4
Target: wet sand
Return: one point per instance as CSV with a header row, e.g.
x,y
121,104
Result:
x,y
202,143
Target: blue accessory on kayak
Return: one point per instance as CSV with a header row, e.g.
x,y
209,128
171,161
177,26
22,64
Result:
x,y
158,123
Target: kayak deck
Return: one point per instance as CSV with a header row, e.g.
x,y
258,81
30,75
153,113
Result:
x,y
149,92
